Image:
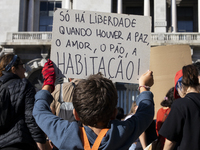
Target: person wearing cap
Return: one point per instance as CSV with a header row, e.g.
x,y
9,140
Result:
x,y
181,128
18,129
177,80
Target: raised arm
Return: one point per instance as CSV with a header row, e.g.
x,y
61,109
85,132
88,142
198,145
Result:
x,y
139,122
146,81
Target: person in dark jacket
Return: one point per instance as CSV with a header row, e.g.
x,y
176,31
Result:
x,y
22,132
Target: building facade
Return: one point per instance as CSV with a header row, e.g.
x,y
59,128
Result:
x,y
26,25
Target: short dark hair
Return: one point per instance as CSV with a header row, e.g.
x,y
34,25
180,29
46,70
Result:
x,y
197,65
190,76
95,100
169,98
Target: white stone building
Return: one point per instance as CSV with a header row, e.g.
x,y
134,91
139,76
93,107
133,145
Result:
x,y
26,25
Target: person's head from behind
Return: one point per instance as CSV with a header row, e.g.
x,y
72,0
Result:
x,y
12,63
197,65
168,99
189,80
95,101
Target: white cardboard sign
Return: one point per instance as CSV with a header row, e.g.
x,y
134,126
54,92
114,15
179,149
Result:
x,y
85,43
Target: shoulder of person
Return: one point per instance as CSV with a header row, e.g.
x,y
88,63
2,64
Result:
x,y
160,110
71,84
76,81
28,85
26,82
181,103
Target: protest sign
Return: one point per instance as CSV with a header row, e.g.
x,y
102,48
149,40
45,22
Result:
x,y
165,61
86,43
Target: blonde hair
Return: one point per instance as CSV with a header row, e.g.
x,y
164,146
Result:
x,y
133,108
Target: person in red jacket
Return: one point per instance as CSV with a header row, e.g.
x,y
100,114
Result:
x,y
164,111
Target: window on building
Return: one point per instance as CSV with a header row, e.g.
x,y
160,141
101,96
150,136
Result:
x,y
185,19
134,10
46,14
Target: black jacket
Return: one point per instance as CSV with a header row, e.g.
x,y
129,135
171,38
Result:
x,y
182,123
22,127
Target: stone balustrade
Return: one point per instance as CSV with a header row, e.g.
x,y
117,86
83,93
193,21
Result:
x,y
156,38
29,37
175,38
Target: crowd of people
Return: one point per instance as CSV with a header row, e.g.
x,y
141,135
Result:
x,y
83,113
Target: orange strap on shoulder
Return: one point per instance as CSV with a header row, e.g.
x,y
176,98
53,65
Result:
x,y
97,142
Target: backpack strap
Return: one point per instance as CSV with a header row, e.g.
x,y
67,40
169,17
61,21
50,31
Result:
x,y
61,94
97,142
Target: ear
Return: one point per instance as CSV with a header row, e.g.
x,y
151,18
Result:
x,y
13,69
76,115
114,114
